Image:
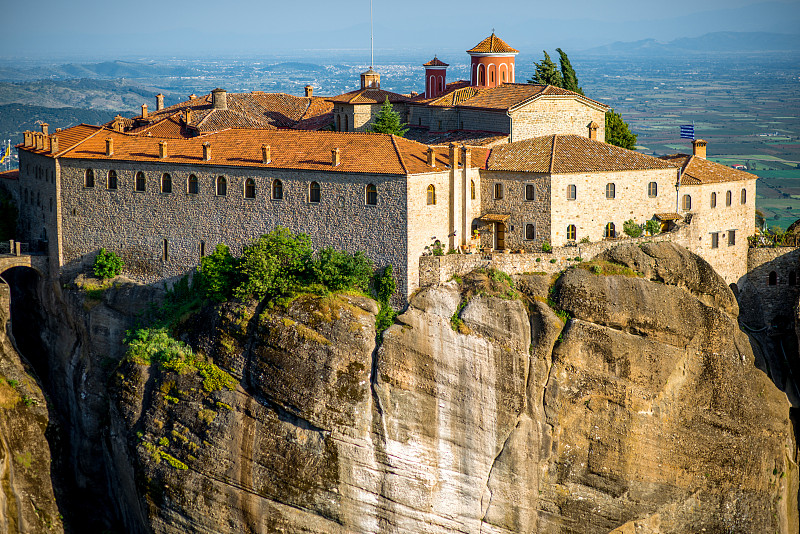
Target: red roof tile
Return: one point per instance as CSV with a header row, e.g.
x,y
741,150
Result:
x,y
562,154
492,45
369,96
701,171
435,62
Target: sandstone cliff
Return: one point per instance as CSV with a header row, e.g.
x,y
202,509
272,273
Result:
x,y
623,397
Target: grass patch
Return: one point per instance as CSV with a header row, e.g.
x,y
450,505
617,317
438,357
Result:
x,y
607,268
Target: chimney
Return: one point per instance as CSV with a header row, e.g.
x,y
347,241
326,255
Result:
x,y
699,148
336,157
109,147
188,117
54,144
206,151
45,128
466,153
309,91
162,149
38,138
431,157
117,125
266,154
192,96
46,143
28,138
593,131
159,102
453,156
219,99
144,111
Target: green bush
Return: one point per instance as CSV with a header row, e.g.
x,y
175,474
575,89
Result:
x,y
547,247
107,264
338,270
631,228
384,284
652,227
274,265
217,275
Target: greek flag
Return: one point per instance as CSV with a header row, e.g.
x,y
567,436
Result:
x,y
687,131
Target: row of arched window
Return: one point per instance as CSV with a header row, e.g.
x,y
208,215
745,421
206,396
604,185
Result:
x,y
431,192
40,173
773,278
165,185
611,191
729,198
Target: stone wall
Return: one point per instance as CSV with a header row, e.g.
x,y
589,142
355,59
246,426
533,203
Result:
x,y
436,269
767,302
556,115
138,224
536,212
37,195
591,210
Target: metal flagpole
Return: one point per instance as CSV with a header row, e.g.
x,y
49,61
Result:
x,y
371,39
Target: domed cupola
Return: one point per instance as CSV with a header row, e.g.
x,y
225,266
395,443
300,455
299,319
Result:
x,y
435,77
492,62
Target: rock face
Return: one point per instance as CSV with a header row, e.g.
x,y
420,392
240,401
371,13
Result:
x,y
625,403
27,502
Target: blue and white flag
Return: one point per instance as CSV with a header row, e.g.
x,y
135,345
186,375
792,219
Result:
x,y
687,131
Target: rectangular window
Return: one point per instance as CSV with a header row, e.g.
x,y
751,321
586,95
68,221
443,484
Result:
x,y
530,192
166,250
202,249
498,191
731,237
571,192
715,240
530,231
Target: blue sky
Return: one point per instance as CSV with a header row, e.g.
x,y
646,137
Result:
x,y
103,29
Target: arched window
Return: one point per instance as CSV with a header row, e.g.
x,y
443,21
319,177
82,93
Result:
x,y
431,195
191,185
498,191
743,199
222,186
610,231
88,178
530,192
112,179
572,192
166,183
713,200
372,195
504,76
687,202
611,191
481,75
773,278
472,189
277,190
441,84
491,75
652,189
728,198
249,188
792,278
140,181
571,232
530,231
313,192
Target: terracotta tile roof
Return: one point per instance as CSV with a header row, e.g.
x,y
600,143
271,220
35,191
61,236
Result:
x,y
454,98
10,175
171,127
668,216
701,171
560,154
435,62
495,217
68,138
466,137
505,97
369,96
450,87
291,149
492,45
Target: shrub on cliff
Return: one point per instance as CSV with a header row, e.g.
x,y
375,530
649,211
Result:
x,y
338,270
107,264
217,275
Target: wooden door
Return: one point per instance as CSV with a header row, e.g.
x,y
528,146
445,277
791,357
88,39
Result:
x,y
500,236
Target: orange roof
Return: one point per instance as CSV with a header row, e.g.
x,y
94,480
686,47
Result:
x,y
435,62
290,149
501,98
171,127
68,138
465,137
562,154
492,45
369,96
698,171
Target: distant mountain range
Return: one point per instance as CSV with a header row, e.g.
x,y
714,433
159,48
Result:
x,y
710,42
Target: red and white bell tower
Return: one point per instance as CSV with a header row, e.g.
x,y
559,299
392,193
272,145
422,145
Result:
x,y
435,77
492,62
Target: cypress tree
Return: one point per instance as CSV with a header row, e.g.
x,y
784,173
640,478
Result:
x,y
546,73
617,131
568,75
388,121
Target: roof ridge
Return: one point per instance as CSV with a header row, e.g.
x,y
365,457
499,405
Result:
x,y
399,154
99,129
553,154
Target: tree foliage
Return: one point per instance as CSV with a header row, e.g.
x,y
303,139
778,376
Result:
x,y
339,270
652,227
631,228
546,73
568,76
107,264
617,131
217,275
388,121
274,264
